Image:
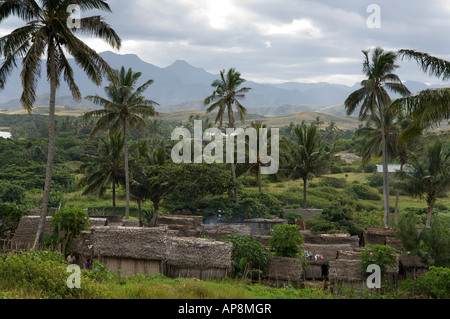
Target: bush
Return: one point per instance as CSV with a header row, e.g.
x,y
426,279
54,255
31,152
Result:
x,y
285,241
333,182
375,180
43,275
292,216
10,216
363,192
11,192
381,255
247,254
434,284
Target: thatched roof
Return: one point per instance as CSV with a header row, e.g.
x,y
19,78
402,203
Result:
x,y
124,242
330,239
155,244
26,231
198,253
411,261
180,220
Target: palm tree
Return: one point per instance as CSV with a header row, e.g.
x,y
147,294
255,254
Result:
x,y
228,93
428,178
126,107
46,32
309,156
105,169
394,124
373,99
429,107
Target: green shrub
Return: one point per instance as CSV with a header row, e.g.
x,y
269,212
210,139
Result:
x,y
247,254
433,284
375,180
10,215
292,216
10,192
333,182
285,241
43,275
363,192
381,255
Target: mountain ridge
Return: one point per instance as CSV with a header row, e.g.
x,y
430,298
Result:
x,y
181,86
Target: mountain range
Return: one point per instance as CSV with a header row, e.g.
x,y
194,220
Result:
x,y
182,86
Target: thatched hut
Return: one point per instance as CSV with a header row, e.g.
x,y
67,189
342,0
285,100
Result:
x,y
137,250
198,257
26,232
411,267
345,271
283,271
131,250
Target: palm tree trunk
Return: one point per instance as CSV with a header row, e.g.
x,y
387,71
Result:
x,y
385,172
127,173
233,167
429,213
114,197
304,193
397,195
51,144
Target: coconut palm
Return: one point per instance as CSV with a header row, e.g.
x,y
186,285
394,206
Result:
x,y
309,156
373,99
105,169
429,107
124,107
228,93
46,33
428,178
394,125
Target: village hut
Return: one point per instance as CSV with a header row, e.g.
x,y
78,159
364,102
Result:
x,y
26,232
132,250
198,257
137,250
284,271
411,267
345,271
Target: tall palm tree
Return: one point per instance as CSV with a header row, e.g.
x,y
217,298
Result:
x,y
309,156
228,93
429,177
373,99
394,125
106,169
429,107
125,107
46,32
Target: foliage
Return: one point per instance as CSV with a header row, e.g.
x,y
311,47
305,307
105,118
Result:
x,y
285,241
381,255
334,219
11,192
44,275
333,182
292,216
436,242
433,284
363,192
70,220
10,216
247,254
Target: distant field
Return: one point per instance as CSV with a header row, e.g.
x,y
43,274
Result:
x,y
344,123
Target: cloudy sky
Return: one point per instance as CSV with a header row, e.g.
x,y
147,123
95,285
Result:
x,y
279,40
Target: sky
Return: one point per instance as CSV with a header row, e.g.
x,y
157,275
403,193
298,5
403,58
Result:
x,y
274,41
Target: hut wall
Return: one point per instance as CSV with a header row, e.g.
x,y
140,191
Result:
x,y
131,266
283,271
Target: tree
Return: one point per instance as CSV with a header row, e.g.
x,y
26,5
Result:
x,y
373,99
429,107
228,92
309,156
286,240
394,124
47,33
428,178
126,107
105,169
70,220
